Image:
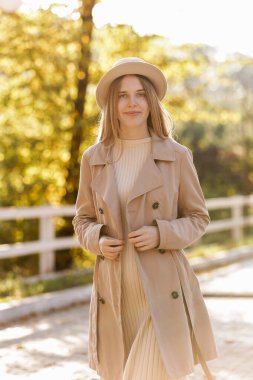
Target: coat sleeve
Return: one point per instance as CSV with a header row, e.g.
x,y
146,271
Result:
x,y
193,216
85,221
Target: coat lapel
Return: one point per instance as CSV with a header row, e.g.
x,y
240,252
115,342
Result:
x,y
149,177
105,185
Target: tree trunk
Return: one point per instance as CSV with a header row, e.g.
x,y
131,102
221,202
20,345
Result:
x,y
79,105
64,258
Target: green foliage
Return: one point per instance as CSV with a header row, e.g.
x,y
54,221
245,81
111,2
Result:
x,y
210,244
14,287
38,56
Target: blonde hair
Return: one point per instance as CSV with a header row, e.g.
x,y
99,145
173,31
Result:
x,y
159,119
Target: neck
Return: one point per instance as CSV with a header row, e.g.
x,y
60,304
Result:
x,y
134,133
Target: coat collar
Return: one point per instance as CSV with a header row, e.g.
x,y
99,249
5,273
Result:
x,y
149,177
162,149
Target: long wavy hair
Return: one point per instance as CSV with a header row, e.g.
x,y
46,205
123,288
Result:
x,y
159,119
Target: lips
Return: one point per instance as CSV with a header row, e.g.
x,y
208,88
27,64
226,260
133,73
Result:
x,y
132,113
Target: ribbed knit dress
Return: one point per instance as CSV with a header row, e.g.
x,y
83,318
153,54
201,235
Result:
x,y
143,359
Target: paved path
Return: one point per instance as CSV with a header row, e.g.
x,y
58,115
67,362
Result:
x,y
233,281
55,345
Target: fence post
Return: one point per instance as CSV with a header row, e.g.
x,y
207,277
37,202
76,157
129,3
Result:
x,y
237,217
46,257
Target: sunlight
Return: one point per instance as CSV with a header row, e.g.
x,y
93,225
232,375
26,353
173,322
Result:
x,y
10,6
49,345
15,332
224,25
63,8
210,22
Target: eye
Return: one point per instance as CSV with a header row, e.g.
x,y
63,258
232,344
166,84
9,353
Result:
x,y
122,96
141,94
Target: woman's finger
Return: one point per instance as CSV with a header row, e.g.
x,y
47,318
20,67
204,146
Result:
x,y
111,256
114,248
140,244
144,248
112,242
136,239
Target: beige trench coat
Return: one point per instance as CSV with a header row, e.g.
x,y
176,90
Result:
x,y
168,194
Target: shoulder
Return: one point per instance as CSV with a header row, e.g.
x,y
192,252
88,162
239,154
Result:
x,y
183,155
168,149
180,151
90,151
177,147
168,145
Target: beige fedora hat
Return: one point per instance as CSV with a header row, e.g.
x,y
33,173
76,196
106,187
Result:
x,y
126,66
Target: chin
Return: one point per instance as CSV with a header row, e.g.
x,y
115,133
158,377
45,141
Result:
x,y
133,125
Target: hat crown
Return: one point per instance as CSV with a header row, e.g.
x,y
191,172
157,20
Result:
x,y
131,66
127,60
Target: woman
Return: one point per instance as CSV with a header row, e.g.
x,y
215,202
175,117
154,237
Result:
x,y
139,205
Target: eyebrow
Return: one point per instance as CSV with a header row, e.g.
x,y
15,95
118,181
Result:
x,y
124,91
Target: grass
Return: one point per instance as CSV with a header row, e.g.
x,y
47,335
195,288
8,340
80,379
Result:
x,y
210,249
14,287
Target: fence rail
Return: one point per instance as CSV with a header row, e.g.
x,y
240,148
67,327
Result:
x,y
48,243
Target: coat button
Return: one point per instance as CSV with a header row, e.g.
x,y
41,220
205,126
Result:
x,y
174,295
101,299
101,210
161,250
155,205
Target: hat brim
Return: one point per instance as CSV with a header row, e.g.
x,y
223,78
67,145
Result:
x,y
152,72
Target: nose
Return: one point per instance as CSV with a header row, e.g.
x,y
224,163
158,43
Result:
x,y
132,100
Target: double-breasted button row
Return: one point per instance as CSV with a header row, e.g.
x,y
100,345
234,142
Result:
x,y
101,300
155,205
101,211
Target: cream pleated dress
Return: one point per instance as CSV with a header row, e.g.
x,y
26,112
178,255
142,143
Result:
x,y
143,359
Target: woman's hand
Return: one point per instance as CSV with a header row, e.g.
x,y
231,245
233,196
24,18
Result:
x,y
146,237
110,247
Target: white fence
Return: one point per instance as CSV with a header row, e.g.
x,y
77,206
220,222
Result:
x,y
48,243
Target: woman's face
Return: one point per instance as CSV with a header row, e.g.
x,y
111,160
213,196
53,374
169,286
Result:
x,y
133,108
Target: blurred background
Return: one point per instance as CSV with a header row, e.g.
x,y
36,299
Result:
x,y
52,54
